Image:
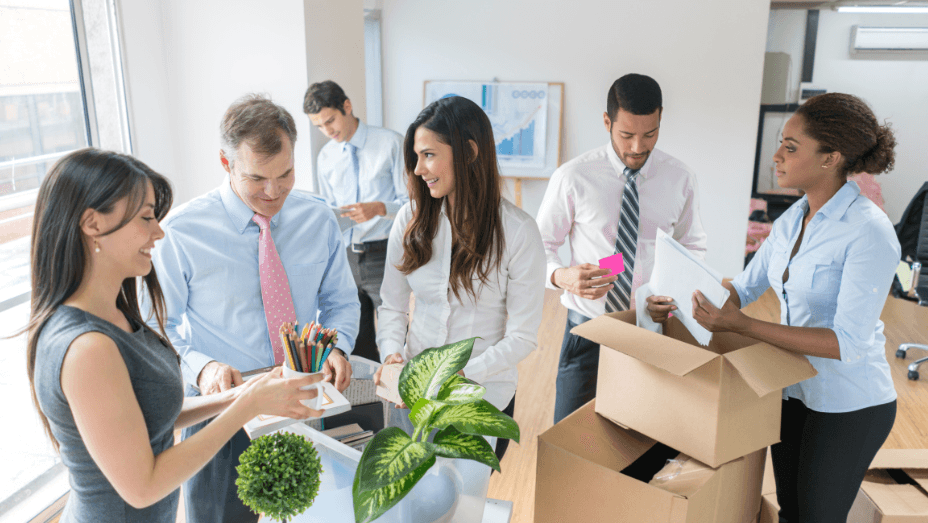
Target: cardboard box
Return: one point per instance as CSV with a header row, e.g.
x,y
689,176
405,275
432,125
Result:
x,y
715,403
895,489
769,507
580,478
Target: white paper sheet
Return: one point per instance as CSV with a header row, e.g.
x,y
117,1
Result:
x,y
678,273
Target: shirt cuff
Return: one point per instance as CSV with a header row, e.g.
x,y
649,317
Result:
x,y
742,296
195,361
548,273
392,209
344,347
476,370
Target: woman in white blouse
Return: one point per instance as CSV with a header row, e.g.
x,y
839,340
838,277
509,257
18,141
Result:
x,y
474,261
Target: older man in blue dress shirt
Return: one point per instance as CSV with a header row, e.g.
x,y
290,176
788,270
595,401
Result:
x,y
208,266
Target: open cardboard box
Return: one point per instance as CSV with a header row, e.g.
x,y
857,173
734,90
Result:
x,y
715,403
580,478
895,489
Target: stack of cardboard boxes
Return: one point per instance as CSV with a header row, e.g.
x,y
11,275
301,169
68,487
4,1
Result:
x,y
659,396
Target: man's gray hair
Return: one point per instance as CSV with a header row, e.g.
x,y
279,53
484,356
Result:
x,y
255,120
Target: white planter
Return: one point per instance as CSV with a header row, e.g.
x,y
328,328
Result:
x,y
453,491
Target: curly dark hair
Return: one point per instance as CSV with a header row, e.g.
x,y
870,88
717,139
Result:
x,y
844,123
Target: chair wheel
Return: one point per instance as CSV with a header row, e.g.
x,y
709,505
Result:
x,y
913,374
900,353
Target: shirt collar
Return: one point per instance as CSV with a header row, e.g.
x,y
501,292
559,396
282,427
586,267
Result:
x,y
358,138
838,205
620,166
239,213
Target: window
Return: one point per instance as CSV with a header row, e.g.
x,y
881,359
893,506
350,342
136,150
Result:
x,y
47,109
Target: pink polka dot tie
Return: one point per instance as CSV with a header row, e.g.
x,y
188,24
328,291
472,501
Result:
x,y
275,288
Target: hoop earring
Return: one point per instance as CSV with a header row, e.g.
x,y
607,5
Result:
x,y
96,246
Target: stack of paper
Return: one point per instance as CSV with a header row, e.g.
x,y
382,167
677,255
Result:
x,y
352,435
678,273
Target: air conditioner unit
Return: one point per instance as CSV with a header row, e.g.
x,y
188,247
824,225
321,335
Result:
x,y
893,40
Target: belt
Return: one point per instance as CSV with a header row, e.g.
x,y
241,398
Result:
x,y
576,318
370,247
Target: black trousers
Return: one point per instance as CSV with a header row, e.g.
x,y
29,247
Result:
x,y
822,458
501,443
367,269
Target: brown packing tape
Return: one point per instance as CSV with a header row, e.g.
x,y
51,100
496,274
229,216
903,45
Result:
x,y
683,476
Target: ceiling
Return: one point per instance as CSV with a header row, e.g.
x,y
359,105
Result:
x,y
832,4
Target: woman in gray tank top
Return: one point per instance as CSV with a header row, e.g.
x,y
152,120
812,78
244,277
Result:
x,y
108,388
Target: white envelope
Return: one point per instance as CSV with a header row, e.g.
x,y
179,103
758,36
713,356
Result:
x,y
678,273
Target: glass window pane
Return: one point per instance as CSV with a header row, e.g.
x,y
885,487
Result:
x,y
42,117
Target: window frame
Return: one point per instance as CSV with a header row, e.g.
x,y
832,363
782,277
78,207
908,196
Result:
x,y
44,498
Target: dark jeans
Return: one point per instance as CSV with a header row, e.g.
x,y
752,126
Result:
x,y
367,269
576,370
822,458
211,496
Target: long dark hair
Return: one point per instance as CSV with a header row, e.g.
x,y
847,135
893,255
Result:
x,y
476,225
85,179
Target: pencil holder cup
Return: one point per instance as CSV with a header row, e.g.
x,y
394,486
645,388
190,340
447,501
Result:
x,y
316,403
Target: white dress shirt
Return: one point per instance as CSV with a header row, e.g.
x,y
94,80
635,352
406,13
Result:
x,y
506,314
584,202
382,178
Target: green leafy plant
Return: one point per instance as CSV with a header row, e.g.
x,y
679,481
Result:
x,y
278,475
393,462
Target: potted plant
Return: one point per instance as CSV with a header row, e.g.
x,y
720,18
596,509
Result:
x,y
278,475
394,461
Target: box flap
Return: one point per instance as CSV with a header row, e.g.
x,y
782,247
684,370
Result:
x,y
616,332
767,369
919,476
894,499
900,459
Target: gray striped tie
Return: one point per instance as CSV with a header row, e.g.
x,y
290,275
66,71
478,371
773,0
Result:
x,y
626,243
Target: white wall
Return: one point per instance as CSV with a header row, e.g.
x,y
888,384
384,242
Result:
x,y
707,56
896,89
335,51
186,62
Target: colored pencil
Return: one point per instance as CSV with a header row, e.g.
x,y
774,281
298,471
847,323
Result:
x,y
287,355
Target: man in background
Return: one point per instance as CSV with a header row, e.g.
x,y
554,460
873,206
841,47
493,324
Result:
x,y
612,200
234,265
360,171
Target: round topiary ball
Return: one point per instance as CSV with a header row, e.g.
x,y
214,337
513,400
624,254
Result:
x,y
279,475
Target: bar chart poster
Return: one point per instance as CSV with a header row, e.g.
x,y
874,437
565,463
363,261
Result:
x,y
518,113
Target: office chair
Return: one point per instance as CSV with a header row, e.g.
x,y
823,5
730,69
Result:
x,y
912,231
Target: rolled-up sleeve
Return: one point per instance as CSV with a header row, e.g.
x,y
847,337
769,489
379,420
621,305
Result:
x,y
393,314
753,280
555,218
865,281
339,307
524,303
172,266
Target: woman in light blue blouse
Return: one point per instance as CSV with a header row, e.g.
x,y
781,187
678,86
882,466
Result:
x,y
830,258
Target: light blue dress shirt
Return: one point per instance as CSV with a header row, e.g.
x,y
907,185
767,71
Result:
x,y
838,280
207,265
382,178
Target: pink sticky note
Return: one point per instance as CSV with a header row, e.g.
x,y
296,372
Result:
x,y
613,263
